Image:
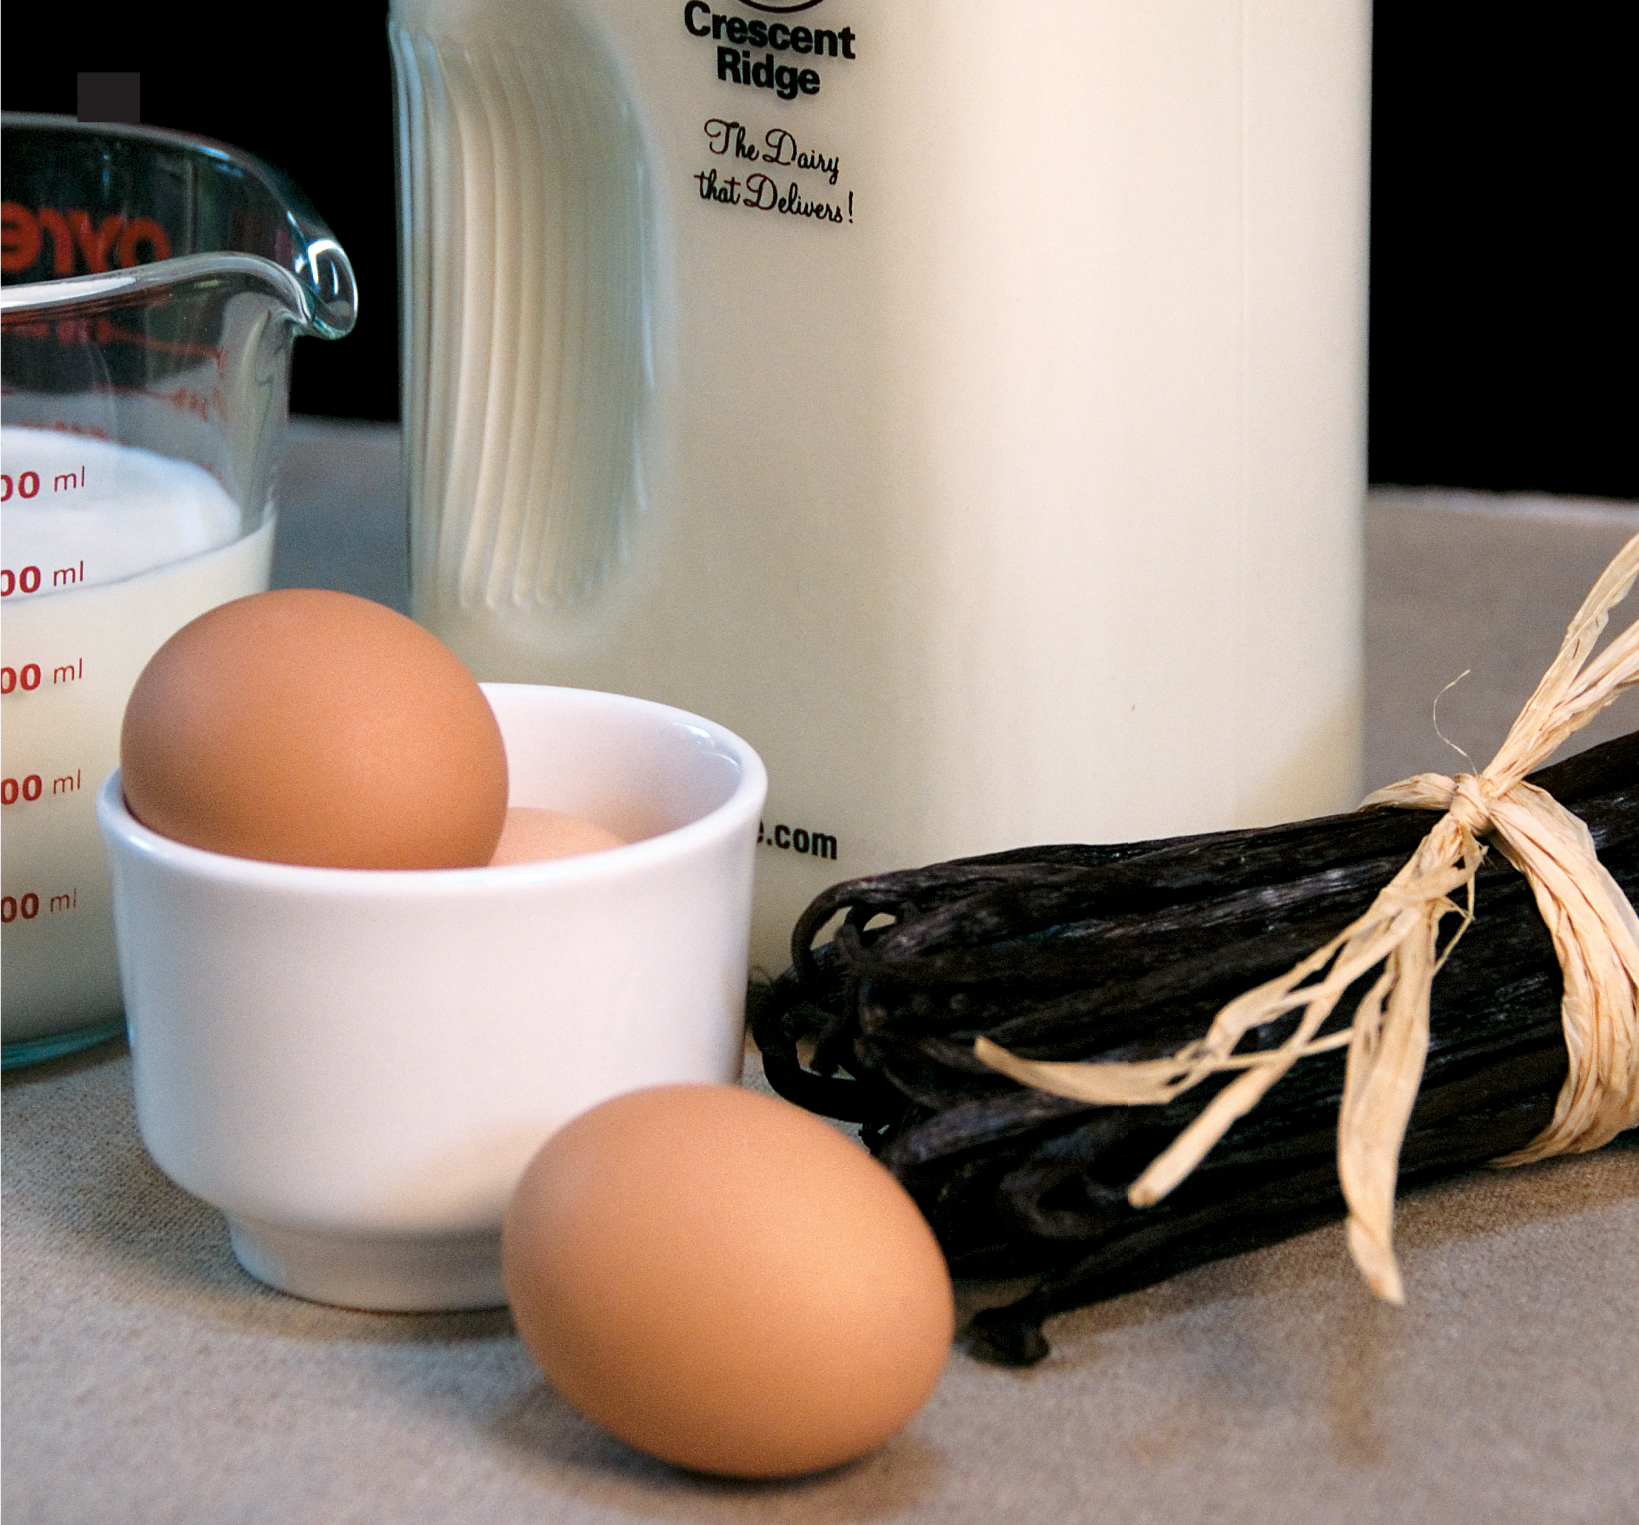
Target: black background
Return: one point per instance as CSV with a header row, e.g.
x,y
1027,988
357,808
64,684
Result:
x,y
1502,300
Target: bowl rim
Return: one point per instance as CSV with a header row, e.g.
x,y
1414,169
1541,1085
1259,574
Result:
x,y
122,830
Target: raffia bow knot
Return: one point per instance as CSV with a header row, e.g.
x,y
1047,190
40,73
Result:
x,y
1466,798
1593,926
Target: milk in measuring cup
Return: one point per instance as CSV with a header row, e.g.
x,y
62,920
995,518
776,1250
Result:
x,y
107,551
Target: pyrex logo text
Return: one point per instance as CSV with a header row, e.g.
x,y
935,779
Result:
x,y
116,241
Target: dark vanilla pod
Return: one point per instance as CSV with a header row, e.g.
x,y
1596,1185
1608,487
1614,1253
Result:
x,y
1127,951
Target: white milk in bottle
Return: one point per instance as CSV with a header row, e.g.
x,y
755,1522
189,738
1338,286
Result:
x,y
107,551
961,401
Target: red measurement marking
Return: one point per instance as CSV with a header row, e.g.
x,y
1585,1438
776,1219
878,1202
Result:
x,y
30,579
32,786
186,400
27,907
26,677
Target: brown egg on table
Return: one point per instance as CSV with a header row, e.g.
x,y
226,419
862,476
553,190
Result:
x,y
726,1282
311,727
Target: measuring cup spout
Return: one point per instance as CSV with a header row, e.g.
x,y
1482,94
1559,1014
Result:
x,y
153,285
329,279
95,211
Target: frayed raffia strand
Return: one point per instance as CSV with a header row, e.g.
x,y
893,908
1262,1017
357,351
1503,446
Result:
x,y
1595,934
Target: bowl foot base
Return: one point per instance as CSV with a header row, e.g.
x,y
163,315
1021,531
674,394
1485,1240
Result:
x,y
385,1275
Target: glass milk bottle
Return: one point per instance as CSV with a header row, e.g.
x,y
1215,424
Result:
x,y
963,402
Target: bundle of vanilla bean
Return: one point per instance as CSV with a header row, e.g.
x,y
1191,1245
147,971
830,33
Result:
x,y
1126,952
1080,972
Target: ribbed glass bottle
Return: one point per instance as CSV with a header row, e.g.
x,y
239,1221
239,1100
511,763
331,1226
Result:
x,y
525,345
963,402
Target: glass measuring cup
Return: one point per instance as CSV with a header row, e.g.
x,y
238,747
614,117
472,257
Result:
x,y
153,284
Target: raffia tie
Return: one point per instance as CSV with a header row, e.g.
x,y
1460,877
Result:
x,y
1595,934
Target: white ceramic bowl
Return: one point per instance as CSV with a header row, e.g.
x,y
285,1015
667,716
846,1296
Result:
x,y
355,1065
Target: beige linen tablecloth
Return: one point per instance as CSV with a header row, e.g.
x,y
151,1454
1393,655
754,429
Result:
x,y
146,1379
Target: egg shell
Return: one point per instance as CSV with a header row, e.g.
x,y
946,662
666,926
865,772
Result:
x,y
726,1282
312,727
534,835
